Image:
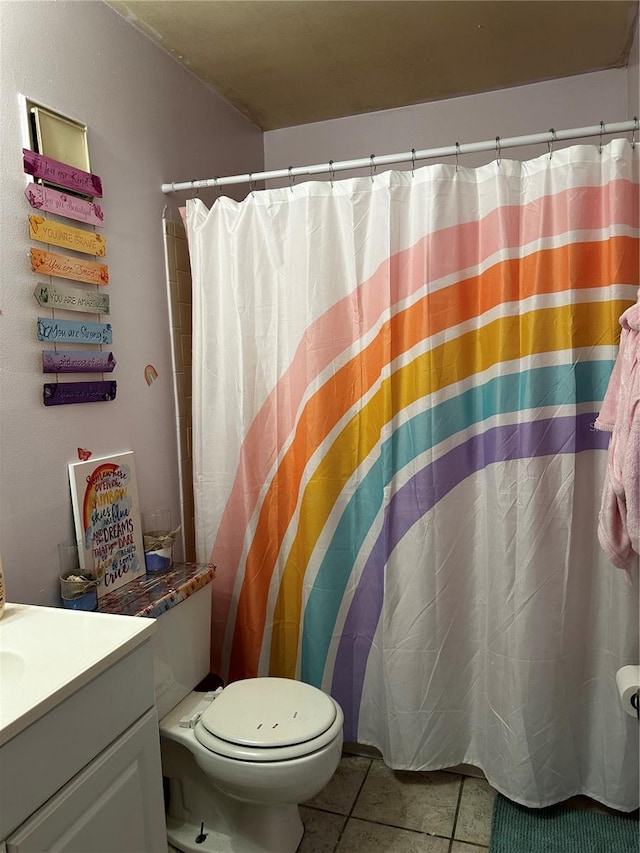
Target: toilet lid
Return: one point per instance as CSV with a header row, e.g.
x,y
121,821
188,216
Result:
x,y
269,712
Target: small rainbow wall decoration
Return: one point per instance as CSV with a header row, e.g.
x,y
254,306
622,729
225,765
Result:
x,y
150,374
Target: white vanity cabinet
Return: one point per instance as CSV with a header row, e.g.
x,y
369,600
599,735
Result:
x,y
107,807
81,773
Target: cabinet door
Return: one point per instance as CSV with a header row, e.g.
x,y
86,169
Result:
x,y
114,805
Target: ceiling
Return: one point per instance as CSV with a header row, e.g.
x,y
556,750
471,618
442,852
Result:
x,y
287,62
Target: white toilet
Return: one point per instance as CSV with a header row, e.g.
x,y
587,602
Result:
x,y
241,759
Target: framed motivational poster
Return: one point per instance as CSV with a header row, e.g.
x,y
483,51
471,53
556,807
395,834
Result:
x,y
106,512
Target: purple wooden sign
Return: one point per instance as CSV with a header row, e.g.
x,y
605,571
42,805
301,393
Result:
x,y
63,393
61,173
52,201
77,361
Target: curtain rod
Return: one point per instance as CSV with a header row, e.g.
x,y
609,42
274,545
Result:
x,y
497,145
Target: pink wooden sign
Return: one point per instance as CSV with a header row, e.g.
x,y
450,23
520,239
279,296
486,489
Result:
x,y
50,263
52,201
61,173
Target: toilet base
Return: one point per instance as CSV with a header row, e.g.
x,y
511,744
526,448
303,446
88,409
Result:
x,y
269,829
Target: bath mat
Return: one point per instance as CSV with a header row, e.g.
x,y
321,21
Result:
x,y
559,829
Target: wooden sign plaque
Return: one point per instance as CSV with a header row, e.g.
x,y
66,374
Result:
x,y
50,263
73,332
59,234
71,298
52,201
61,174
63,393
77,361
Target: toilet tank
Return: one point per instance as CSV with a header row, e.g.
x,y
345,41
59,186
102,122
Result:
x,y
181,648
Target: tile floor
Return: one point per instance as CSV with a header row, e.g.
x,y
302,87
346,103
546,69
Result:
x,y
368,808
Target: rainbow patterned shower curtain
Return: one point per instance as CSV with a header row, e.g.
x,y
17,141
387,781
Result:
x,y
395,469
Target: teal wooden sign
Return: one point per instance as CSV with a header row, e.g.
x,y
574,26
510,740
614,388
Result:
x,y
73,331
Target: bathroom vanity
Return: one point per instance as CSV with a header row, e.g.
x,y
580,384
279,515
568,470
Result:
x,y
79,747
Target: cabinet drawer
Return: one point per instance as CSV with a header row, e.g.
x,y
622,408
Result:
x,y
47,754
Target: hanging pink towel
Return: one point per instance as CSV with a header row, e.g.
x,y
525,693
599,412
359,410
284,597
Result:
x,y
619,524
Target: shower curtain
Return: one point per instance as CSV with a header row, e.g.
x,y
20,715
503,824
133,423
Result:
x,y
395,467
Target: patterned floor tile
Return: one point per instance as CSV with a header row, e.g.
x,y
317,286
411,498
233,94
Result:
x,y
321,831
475,813
463,847
422,801
360,836
340,794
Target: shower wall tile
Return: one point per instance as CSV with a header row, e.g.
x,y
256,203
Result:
x,y
182,254
186,349
183,438
184,312
184,410
187,467
189,532
180,303
174,305
172,269
178,363
184,287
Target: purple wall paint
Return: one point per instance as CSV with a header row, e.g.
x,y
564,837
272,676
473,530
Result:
x,y
149,120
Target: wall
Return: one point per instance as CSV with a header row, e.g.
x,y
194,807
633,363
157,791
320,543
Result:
x,y
150,121
633,77
570,102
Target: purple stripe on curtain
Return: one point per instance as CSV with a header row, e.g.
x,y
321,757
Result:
x,y
571,434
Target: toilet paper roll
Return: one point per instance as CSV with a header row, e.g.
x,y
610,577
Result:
x,y
628,682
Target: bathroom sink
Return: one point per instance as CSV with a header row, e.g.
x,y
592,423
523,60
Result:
x,y
47,653
12,666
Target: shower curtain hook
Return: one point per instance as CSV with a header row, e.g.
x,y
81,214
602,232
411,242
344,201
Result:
x,y
332,173
551,141
216,187
373,166
252,183
413,161
633,133
498,150
601,132
457,156
292,180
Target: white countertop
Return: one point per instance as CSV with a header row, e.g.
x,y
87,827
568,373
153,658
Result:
x,y
47,653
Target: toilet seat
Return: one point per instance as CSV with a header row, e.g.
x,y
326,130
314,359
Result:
x,y
268,719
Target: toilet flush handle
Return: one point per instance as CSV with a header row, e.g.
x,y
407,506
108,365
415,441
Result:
x,y
200,839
